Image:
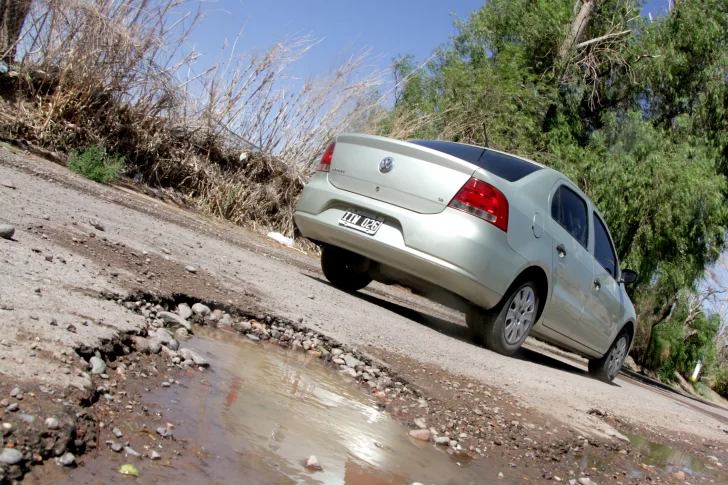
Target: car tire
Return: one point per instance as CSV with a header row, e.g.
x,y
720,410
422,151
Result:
x,y
504,328
345,270
607,367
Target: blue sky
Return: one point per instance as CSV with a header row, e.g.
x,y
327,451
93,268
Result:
x,y
389,28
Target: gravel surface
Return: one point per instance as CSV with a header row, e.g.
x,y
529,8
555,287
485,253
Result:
x,y
236,266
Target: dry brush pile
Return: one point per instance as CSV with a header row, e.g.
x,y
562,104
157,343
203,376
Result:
x,y
235,139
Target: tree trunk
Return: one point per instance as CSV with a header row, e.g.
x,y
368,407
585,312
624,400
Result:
x,y
661,315
580,22
12,18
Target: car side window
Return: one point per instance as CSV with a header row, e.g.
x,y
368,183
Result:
x,y
603,250
569,210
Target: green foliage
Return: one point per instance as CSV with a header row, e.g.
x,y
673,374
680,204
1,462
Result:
x,y
678,346
639,121
94,163
720,380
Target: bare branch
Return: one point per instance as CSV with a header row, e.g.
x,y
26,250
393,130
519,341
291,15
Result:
x,y
596,40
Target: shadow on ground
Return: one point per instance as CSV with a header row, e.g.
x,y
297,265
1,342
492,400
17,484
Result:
x,y
460,332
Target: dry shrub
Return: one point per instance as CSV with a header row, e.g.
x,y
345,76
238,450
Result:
x,y
236,140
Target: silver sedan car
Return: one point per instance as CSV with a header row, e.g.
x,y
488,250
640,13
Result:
x,y
514,244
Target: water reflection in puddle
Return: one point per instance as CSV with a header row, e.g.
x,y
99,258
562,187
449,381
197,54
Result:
x,y
264,410
648,456
672,460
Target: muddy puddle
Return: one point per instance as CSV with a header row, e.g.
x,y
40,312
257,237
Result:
x,y
649,457
261,412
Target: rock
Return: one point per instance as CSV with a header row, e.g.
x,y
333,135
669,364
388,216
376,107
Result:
x,y
174,319
141,344
7,231
351,361
586,481
130,451
500,475
68,459
8,183
116,447
15,392
336,352
163,335
164,432
10,456
421,423
117,432
49,258
225,321
153,455
173,345
442,440
421,434
181,333
242,327
166,251
216,315
98,366
679,475
338,361
96,224
13,407
184,310
155,345
252,337
313,464
46,217
630,364
26,418
189,354
191,269
52,423
201,309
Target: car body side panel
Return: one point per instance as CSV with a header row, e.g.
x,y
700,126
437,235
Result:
x,y
608,308
603,313
571,272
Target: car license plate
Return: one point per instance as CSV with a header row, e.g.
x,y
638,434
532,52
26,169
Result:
x,y
361,221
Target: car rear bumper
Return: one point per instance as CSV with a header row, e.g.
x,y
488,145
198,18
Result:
x,y
451,249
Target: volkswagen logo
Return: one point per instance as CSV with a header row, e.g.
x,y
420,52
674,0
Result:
x,y
386,165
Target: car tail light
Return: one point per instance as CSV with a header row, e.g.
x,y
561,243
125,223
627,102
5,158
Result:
x,y
484,201
325,164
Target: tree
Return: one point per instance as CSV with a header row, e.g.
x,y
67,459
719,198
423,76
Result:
x,y
634,112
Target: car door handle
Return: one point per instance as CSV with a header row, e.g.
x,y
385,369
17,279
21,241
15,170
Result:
x,y
561,250
597,284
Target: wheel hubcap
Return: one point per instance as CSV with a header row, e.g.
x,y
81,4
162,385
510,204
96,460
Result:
x,y
617,356
520,315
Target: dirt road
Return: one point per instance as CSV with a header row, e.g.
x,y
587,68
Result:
x,y
46,275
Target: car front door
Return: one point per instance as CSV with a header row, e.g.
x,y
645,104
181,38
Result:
x,y
572,264
604,307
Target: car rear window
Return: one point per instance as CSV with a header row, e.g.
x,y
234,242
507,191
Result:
x,y
504,166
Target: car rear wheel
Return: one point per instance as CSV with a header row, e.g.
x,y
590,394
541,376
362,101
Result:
x,y
606,368
344,269
504,328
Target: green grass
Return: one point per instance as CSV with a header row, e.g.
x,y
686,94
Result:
x,y
94,163
703,390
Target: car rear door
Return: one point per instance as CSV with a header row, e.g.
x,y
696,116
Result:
x,y
604,308
572,264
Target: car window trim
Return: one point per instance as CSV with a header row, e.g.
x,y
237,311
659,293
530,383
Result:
x,y
611,245
586,207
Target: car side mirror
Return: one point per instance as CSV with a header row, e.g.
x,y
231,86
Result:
x,y
628,276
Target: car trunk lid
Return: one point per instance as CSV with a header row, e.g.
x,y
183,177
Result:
x,y
413,177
